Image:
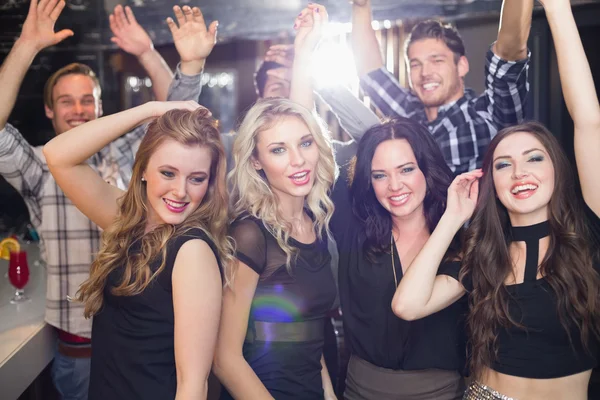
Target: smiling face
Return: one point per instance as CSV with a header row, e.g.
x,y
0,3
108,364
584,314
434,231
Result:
x,y
75,100
398,183
288,156
523,176
177,178
435,76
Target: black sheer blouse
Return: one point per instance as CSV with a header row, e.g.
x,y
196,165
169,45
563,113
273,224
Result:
x,y
372,331
288,369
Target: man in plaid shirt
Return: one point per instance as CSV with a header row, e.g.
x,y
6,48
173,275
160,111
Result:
x,y
69,241
462,124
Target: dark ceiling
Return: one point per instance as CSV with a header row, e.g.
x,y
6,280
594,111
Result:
x,y
251,19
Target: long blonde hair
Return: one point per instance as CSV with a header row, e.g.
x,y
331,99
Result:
x,y
251,193
192,129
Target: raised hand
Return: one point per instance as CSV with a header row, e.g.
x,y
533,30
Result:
x,y
192,39
462,195
309,24
128,33
38,29
282,54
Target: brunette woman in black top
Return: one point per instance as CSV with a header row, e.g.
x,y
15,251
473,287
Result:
x,y
384,214
376,238
534,289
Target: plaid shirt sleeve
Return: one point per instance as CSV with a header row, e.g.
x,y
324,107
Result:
x,y
183,87
506,89
21,166
387,94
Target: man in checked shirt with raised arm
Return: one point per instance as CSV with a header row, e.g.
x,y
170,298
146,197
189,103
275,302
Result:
x,y
72,96
461,123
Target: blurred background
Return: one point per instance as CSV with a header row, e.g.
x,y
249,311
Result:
x,y
246,30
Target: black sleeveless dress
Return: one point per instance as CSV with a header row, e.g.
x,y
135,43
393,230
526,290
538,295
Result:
x,y
133,349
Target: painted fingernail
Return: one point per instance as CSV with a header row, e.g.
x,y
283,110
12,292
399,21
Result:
x,y
316,10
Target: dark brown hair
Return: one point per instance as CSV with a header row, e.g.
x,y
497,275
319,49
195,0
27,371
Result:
x,y
567,265
376,219
71,69
433,29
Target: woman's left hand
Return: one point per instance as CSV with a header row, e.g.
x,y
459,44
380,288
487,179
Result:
x,y
463,193
309,24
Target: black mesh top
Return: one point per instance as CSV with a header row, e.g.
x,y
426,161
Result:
x,y
289,370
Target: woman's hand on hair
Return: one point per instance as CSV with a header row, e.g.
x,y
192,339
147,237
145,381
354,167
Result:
x,y
309,24
156,109
128,33
38,29
193,40
462,196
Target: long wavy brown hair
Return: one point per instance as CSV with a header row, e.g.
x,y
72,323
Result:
x,y
190,128
566,266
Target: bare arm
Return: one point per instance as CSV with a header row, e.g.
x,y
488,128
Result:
x,y
197,305
580,97
310,26
132,38
421,291
229,365
365,46
37,34
67,153
329,393
515,24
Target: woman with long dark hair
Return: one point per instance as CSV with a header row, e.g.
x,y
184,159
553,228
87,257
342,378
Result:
x,y
385,211
527,263
386,205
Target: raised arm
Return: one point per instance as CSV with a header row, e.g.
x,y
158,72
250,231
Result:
x,y
132,38
515,24
580,97
37,34
197,306
365,46
67,153
192,39
422,291
310,26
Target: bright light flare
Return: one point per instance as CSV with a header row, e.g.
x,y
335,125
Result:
x,y
333,63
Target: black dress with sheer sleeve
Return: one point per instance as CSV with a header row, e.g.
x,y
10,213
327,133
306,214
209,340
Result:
x,y
284,342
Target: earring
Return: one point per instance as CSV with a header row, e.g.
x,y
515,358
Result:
x,y
143,179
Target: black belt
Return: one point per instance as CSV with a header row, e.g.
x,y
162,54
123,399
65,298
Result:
x,y
303,331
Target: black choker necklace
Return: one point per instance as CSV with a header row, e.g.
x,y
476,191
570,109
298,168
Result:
x,y
530,232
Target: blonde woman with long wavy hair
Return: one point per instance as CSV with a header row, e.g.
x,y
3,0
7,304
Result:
x,y
154,290
272,324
